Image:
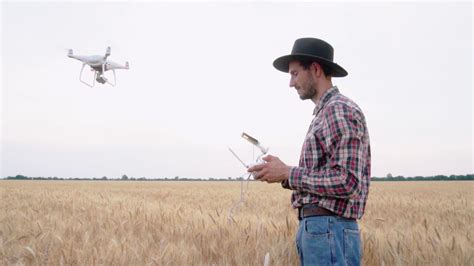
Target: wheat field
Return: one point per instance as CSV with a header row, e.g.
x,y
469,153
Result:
x,y
188,223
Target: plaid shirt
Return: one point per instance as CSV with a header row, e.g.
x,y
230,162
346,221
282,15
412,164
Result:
x,y
334,167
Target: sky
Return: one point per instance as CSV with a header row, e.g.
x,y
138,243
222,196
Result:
x,y
201,74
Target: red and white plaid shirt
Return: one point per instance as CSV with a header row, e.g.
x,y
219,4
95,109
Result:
x,y
334,166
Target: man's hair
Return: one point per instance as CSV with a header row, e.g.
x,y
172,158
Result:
x,y
305,63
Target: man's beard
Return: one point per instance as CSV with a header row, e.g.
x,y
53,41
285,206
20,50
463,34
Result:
x,y
309,91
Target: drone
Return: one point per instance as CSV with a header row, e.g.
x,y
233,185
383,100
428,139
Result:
x,y
99,64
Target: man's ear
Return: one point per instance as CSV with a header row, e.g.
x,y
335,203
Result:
x,y
316,69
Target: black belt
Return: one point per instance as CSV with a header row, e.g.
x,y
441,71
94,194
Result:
x,y
313,210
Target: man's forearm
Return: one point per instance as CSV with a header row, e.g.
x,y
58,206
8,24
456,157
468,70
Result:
x,y
337,183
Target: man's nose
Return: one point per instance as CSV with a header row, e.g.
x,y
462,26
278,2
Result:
x,y
292,82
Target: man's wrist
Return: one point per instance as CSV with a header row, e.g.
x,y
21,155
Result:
x,y
287,173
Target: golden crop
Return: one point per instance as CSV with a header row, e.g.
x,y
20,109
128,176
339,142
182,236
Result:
x,y
183,223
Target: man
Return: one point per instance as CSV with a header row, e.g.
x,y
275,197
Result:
x,y
331,184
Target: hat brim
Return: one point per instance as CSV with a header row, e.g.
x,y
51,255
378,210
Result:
x,y
282,63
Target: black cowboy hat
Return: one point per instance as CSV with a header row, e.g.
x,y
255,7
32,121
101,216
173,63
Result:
x,y
311,49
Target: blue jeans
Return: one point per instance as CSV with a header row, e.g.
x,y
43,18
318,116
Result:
x,y
328,240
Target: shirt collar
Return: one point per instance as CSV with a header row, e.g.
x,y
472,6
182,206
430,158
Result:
x,y
325,98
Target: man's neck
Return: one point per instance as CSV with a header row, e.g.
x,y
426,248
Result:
x,y
324,85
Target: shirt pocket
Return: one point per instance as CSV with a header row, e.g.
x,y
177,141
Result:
x,y
313,149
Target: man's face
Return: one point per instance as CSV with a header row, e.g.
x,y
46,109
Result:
x,y
302,80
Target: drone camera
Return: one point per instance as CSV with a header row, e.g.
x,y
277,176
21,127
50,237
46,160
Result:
x,y
101,79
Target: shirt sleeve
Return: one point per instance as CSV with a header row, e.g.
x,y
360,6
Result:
x,y
340,141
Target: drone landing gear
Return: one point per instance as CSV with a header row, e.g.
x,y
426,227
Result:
x,y
99,77
104,79
80,77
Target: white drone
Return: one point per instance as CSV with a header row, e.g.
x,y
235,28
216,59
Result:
x,y
99,64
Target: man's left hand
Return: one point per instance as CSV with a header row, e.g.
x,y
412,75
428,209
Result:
x,y
274,170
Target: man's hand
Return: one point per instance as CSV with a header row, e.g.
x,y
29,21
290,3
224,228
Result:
x,y
274,170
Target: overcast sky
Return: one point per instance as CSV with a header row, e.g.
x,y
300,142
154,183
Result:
x,y
201,74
